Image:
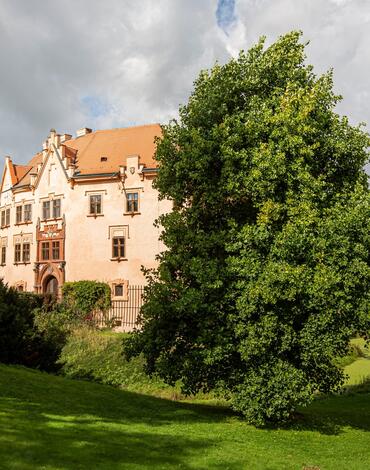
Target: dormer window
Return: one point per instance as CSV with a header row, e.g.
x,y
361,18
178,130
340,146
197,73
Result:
x,y
103,159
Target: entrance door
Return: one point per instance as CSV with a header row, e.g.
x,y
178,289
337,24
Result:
x,y
51,286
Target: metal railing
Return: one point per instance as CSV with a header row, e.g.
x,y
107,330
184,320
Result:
x,y
123,314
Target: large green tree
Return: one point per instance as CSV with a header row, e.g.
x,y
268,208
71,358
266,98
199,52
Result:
x,y
266,274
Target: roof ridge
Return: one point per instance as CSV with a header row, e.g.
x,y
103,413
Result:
x,y
126,127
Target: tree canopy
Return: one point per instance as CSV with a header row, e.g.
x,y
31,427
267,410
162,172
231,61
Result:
x,y
266,274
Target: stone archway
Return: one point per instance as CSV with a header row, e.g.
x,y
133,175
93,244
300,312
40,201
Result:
x,y
49,277
50,286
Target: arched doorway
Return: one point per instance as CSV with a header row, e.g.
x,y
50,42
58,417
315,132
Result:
x,y
51,286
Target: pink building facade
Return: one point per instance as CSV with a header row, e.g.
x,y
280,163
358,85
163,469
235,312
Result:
x,y
83,208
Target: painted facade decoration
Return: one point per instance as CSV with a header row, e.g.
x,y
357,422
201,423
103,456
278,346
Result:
x,y
83,208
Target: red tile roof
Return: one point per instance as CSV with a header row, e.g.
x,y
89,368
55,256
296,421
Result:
x,y
114,144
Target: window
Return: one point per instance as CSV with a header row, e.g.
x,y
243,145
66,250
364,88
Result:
x,y
18,214
17,253
46,210
118,290
132,200
56,208
23,214
51,209
45,251
21,253
118,247
95,204
5,218
27,213
55,252
3,255
26,252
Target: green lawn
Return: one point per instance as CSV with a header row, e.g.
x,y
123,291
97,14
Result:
x,y
49,422
359,370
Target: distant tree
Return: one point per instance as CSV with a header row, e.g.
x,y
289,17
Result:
x,y
266,274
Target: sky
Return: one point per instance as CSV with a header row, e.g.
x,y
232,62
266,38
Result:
x,y
67,64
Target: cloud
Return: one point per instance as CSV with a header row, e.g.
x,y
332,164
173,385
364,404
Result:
x,y
115,63
98,64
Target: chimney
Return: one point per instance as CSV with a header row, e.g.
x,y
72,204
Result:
x,y
65,137
33,177
83,131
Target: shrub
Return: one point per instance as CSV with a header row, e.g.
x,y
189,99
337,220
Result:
x,y
86,297
20,341
56,321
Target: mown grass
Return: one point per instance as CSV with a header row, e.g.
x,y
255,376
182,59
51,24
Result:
x,y
358,371
52,422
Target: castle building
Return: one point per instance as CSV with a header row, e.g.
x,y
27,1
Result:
x,y
82,209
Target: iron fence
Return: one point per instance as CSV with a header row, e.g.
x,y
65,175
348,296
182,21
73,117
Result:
x,y
123,314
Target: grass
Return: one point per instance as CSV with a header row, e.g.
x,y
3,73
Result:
x,y
52,422
358,371
97,356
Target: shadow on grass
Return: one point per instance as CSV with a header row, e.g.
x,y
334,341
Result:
x,y
332,415
52,422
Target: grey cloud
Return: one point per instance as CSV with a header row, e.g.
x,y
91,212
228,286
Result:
x,y
140,58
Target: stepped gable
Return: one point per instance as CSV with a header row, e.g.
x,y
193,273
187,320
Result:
x,y
102,151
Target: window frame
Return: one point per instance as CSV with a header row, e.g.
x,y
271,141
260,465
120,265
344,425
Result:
x,y
119,283
119,246
26,251
5,218
42,251
52,208
3,256
53,248
95,213
18,214
28,212
56,205
132,201
18,253
46,209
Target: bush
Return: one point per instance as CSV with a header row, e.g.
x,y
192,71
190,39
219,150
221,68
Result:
x,y
86,297
94,355
56,321
80,300
20,341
